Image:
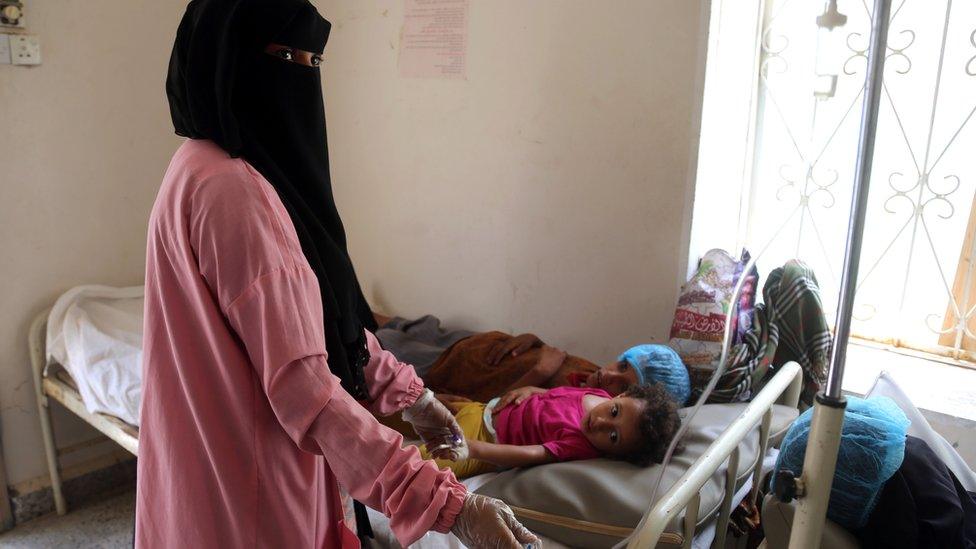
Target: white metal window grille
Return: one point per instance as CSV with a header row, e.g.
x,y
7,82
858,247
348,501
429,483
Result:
x,y
914,286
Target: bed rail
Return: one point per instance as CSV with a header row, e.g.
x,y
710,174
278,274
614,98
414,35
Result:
x,y
783,388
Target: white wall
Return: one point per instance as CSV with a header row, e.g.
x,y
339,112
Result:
x,y
548,192
84,140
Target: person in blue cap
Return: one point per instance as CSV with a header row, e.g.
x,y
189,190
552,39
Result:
x,y
659,364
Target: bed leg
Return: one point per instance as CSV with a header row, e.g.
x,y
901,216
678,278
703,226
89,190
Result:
x,y
722,526
52,458
690,521
6,513
763,448
38,362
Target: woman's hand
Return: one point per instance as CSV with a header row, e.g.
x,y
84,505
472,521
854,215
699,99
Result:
x,y
489,523
437,428
516,396
513,347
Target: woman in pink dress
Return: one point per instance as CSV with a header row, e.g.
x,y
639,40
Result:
x,y
259,370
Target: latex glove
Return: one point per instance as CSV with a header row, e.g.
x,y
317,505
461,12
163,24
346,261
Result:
x,y
487,523
436,426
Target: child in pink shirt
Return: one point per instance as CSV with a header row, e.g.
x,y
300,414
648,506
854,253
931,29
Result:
x,y
565,424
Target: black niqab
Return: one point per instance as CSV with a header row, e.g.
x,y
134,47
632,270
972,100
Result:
x,y
222,86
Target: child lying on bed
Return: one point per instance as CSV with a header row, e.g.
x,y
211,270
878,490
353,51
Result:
x,y
565,424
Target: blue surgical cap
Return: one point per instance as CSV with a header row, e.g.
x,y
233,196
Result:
x,y
660,364
872,447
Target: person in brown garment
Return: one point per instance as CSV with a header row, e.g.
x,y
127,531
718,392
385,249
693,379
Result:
x,y
492,364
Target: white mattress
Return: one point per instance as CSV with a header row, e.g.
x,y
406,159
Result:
x,y
95,333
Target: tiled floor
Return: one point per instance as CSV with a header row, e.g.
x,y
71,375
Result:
x,y
104,524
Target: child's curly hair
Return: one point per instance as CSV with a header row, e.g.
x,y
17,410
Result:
x,y
658,423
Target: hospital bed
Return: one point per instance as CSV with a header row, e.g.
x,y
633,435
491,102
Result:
x,y
720,467
723,464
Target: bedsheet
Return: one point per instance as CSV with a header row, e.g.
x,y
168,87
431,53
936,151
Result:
x,y
418,342
95,333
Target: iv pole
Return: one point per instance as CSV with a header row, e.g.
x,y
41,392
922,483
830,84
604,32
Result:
x,y
813,486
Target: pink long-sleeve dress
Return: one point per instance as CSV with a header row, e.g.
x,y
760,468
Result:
x,y
245,434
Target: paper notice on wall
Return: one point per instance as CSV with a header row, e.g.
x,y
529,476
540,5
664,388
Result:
x,y
434,40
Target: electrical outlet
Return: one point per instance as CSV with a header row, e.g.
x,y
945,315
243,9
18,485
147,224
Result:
x,y
25,49
4,49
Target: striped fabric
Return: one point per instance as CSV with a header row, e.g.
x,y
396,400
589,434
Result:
x,y
789,326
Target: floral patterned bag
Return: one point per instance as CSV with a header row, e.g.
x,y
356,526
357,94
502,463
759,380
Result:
x,y
699,318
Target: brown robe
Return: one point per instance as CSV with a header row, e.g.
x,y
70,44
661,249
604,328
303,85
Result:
x,y
463,369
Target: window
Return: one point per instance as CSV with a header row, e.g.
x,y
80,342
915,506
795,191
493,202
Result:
x,y
789,110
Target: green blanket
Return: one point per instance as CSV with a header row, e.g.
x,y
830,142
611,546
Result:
x,y
789,326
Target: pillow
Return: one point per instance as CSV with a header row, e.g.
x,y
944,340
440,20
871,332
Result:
x,y
596,503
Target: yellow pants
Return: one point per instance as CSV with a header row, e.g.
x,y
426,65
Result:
x,y
470,417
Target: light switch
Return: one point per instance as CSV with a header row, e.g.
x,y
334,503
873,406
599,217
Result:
x,y
25,49
4,49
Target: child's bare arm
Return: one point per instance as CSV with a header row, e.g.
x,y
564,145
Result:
x,y
508,455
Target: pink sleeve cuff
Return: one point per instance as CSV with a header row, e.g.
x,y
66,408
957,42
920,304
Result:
x,y
392,384
452,507
412,393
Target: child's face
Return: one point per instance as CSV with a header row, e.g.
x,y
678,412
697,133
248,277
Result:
x,y
613,378
612,427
